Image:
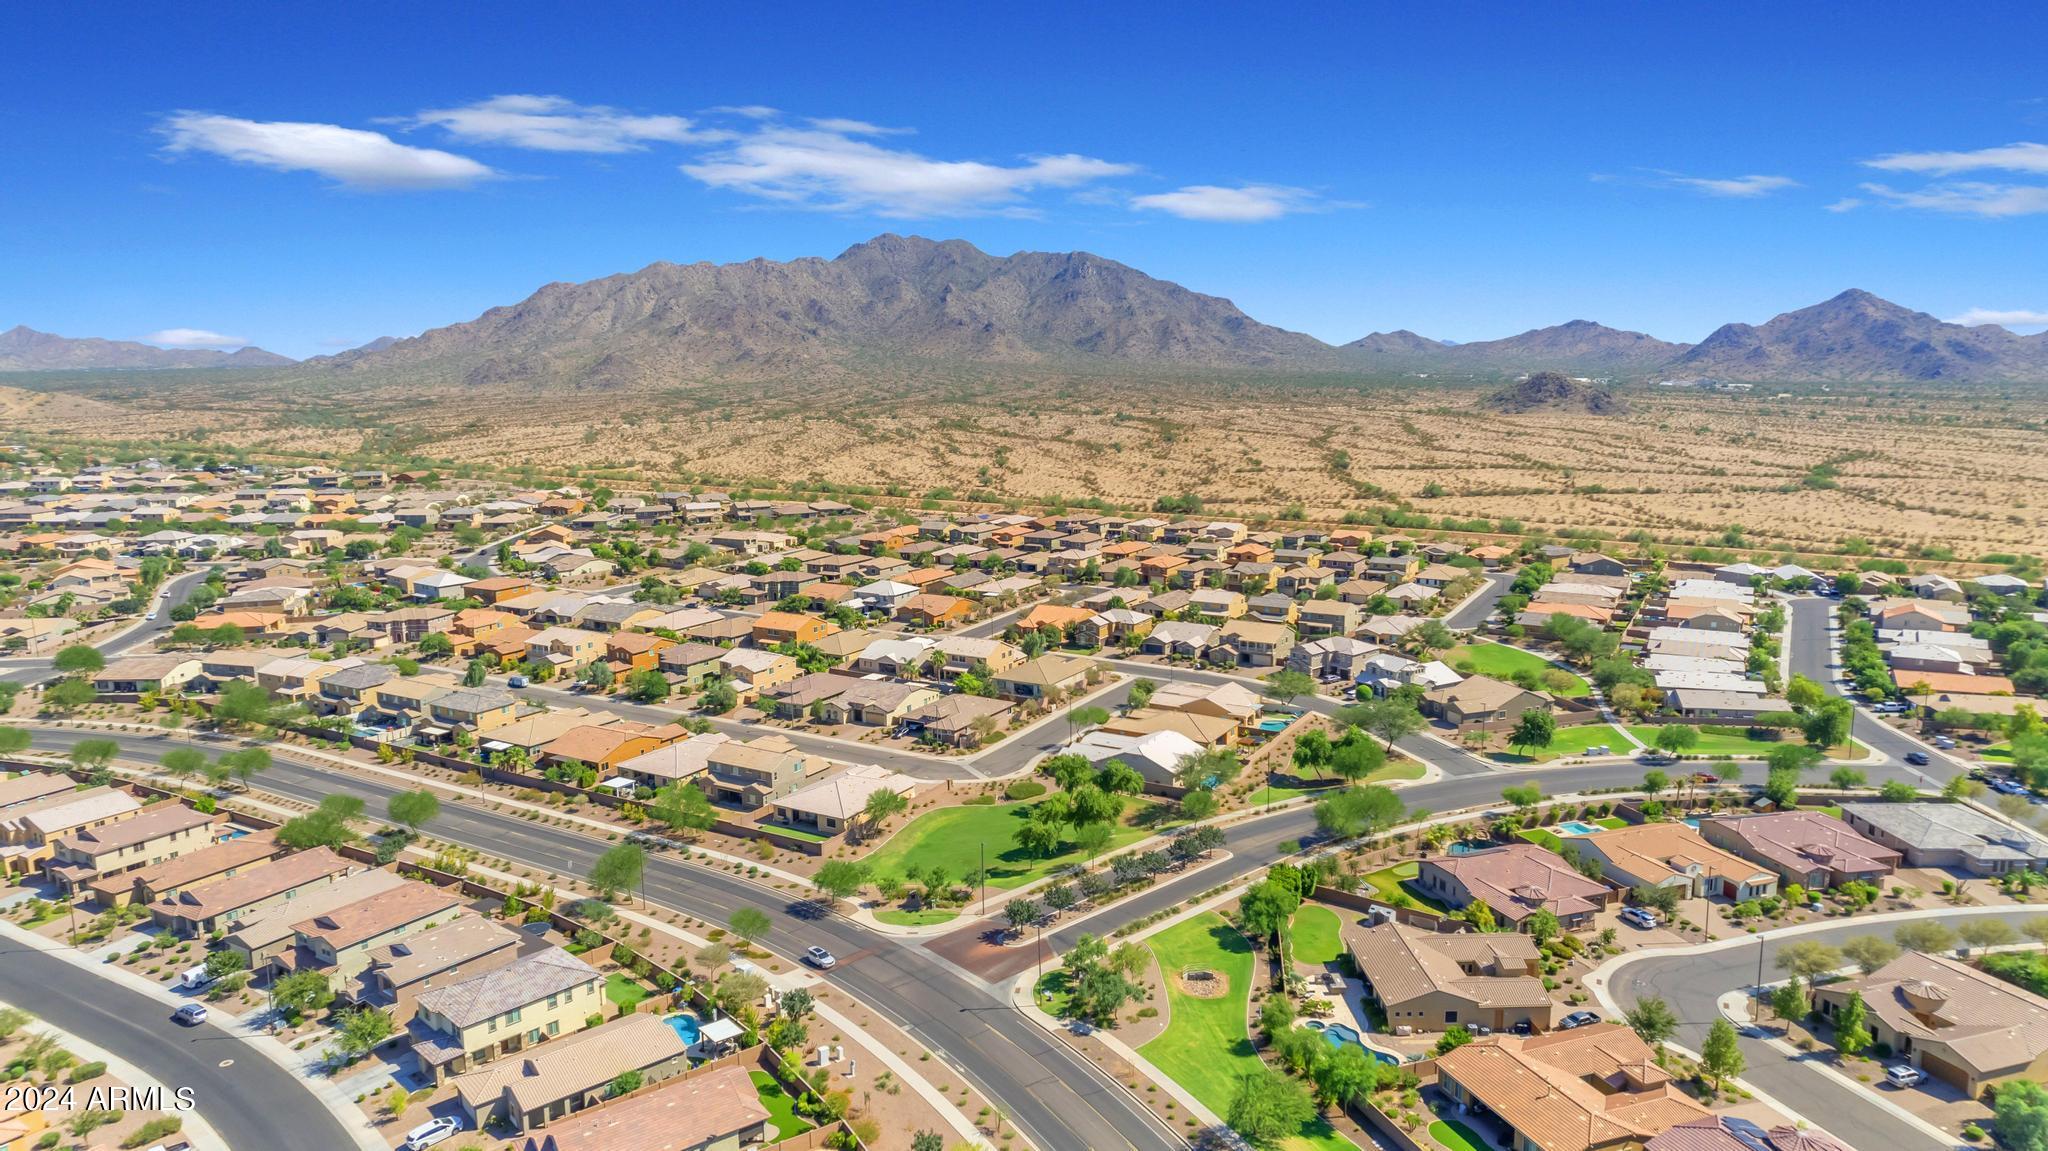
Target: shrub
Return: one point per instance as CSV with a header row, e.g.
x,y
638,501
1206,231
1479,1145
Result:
x,y
85,1071
1024,789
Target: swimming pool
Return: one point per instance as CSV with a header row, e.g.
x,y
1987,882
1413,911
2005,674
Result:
x,y
1692,823
1575,827
686,1028
1339,1034
1274,724
1467,846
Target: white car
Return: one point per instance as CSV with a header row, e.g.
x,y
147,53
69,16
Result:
x,y
1639,917
819,958
431,1132
1903,1075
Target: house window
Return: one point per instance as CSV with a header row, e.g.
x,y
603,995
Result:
x,y
512,1016
554,1027
552,1001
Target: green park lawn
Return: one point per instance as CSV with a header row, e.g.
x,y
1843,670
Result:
x,y
781,1106
1732,741
922,917
1206,1046
1502,662
624,990
1400,877
955,837
1315,934
1399,767
1455,1136
1569,741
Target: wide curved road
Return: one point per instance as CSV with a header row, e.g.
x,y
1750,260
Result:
x,y
253,1103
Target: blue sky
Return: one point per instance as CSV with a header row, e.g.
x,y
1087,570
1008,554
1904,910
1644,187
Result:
x,y
311,178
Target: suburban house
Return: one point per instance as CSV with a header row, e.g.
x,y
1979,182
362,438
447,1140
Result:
x,y
1674,855
1332,657
1592,1087
689,664
752,774
29,831
32,787
1515,882
1731,1133
339,940
1048,675
268,936
566,649
348,691
1810,848
1232,701
1956,1023
607,746
779,627
1327,617
135,674
1480,701
1156,755
716,1109
757,670
673,762
196,910
958,720
560,1079
223,860
1948,835
533,999
154,835
1430,981
1253,643
830,805
398,972
968,653
1180,639
476,709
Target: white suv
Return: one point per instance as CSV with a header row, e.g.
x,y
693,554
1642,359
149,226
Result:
x,y
431,1132
1639,917
1903,1075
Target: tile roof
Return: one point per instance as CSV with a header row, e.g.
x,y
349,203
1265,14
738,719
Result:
x,y
526,980
684,1112
1518,878
571,1066
1989,1024
1404,963
1571,1090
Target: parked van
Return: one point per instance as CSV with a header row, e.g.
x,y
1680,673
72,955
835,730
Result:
x,y
194,979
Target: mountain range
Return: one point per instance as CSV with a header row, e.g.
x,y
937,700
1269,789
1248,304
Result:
x,y
23,349
895,299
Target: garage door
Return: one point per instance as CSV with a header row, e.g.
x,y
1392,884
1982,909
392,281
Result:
x,y
1945,1071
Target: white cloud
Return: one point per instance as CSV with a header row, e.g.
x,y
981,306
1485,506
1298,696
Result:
x,y
826,168
2008,158
1737,187
2012,318
1246,204
553,124
194,338
1845,204
1969,198
351,156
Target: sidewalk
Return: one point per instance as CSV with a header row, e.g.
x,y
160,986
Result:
x,y
326,1090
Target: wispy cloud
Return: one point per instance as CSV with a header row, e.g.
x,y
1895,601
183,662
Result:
x,y
826,165
2029,158
350,156
1734,187
1968,198
194,338
2008,318
554,124
1845,204
1247,203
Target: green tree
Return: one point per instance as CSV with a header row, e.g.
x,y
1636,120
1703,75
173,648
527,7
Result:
x,y
1348,1075
1808,959
718,697
1266,907
840,878
1925,935
647,686
1652,1020
1523,795
1534,729
1352,760
1721,1056
2020,1115
361,1031
1391,718
683,807
1677,738
1789,1001
182,763
79,659
14,740
302,992
242,704
94,754
1852,1030
1357,811
618,869
1288,685
69,694
1455,1036
624,1083
414,809
751,924
475,673
1869,952
1267,1106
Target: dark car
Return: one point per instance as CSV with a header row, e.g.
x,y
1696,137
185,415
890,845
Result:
x,y
1917,758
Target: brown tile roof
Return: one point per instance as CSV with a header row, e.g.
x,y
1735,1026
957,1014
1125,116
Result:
x,y
1518,878
1571,1090
571,1066
222,895
152,823
525,981
1990,1025
1800,841
1406,963
687,1112
194,865
385,911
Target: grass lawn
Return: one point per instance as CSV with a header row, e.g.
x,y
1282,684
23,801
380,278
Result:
x,y
1732,741
795,832
922,917
1315,931
1399,767
1458,1137
781,1107
1206,1046
1401,877
954,837
624,990
1548,840
1998,751
1053,990
1502,662
1570,741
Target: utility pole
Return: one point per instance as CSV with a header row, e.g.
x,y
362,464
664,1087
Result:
x,y
983,877
1756,1010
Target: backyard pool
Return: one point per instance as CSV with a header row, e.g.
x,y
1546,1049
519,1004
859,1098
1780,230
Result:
x,y
1692,823
1468,846
1340,1033
1576,827
1274,723
686,1028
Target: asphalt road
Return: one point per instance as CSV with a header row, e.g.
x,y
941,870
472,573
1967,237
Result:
x,y
1692,984
253,1103
1477,612
37,670
1810,630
